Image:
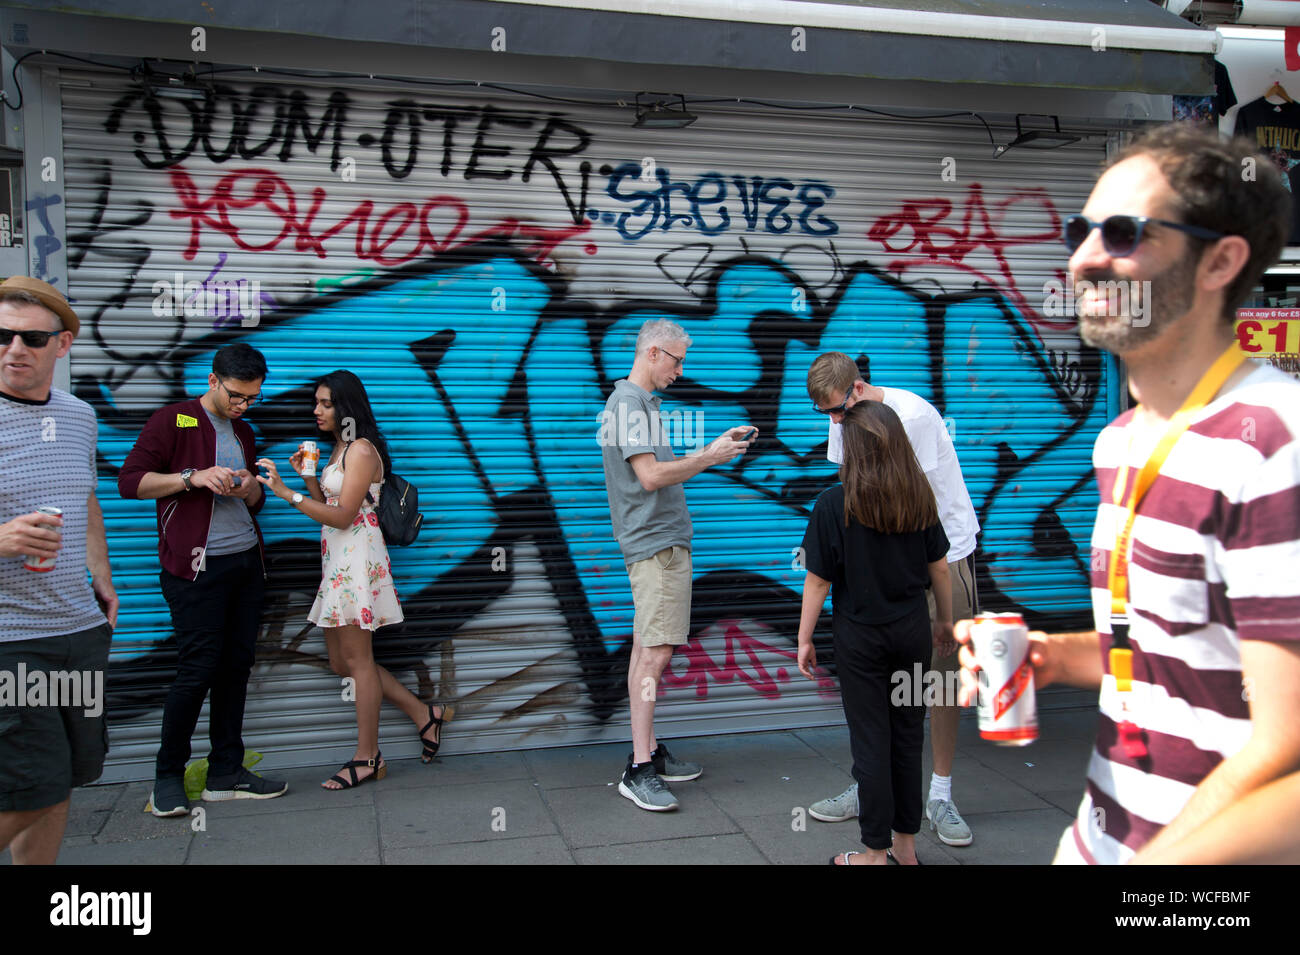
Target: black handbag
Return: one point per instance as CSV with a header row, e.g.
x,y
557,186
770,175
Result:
x,y
398,511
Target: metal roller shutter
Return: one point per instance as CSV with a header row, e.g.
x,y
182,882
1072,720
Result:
x,y
483,260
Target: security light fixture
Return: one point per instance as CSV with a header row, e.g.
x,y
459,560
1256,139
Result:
x,y
1038,138
661,113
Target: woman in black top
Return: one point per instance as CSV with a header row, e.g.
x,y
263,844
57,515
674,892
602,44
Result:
x,y
875,542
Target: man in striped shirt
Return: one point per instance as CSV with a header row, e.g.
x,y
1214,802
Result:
x,y
1197,648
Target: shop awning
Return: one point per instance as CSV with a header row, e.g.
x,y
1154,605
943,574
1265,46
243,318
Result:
x,y
1120,45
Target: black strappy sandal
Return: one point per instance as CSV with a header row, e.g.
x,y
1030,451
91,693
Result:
x,y
380,771
431,749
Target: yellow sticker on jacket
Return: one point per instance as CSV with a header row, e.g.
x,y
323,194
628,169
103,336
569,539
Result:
x,y
185,421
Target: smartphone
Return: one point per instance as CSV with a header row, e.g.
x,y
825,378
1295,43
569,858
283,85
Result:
x,y
236,480
749,435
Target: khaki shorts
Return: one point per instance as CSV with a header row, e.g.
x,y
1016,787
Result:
x,y
965,604
661,593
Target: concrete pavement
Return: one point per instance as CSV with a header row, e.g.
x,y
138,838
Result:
x,y
562,806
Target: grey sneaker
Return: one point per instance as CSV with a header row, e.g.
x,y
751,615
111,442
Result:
x,y
948,823
242,785
168,797
842,808
644,787
668,767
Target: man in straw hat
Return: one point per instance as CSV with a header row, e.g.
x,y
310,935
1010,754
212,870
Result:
x,y
55,625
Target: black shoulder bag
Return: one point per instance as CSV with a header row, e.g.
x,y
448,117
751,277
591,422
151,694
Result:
x,y
398,511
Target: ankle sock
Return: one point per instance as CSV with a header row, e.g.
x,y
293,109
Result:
x,y
940,787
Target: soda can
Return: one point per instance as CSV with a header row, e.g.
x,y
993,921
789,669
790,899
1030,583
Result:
x,y
43,564
1008,714
310,456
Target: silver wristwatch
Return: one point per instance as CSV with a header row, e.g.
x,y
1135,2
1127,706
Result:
x,y
185,477
297,498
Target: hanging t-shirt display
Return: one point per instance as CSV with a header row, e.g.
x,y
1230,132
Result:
x,y
1207,109
1275,129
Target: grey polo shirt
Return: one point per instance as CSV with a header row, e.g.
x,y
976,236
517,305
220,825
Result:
x,y
645,522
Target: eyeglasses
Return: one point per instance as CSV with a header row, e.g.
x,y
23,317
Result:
x,y
238,399
32,339
671,355
1121,235
838,409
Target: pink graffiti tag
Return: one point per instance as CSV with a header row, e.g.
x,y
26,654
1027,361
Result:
x,y
700,668
400,233
930,237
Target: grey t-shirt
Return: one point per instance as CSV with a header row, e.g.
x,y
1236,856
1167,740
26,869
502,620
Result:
x,y
231,531
645,522
47,457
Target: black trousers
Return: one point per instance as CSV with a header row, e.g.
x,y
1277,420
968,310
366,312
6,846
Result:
x,y
216,619
885,738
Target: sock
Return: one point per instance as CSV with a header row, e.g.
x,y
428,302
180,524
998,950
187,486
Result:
x,y
940,787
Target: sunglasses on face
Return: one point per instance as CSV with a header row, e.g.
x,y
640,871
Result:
x,y
841,408
32,339
1121,235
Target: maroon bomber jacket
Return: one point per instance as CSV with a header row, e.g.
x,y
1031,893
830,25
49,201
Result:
x,y
170,443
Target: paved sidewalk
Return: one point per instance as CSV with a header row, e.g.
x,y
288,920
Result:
x,y
562,806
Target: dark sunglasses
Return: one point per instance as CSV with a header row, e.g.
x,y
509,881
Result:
x,y
1120,235
841,408
32,339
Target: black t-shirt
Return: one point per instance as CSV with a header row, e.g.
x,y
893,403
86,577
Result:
x,y
1275,130
875,578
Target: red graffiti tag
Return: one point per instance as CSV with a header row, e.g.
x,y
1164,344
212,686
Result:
x,y
700,668
930,237
257,211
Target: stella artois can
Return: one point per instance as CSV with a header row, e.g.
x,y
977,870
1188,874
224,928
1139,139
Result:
x,y
310,455
41,564
1008,714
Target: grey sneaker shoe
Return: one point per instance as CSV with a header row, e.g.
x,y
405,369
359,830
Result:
x,y
644,787
948,823
668,767
242,785
841,808
168,797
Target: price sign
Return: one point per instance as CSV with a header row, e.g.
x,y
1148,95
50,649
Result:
x,y
1263,332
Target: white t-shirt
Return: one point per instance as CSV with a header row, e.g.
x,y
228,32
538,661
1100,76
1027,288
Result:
x,y
938,459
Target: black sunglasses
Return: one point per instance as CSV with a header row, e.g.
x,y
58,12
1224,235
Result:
x,y
32,339
1120,235
841,408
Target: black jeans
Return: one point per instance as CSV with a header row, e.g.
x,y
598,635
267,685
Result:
x,y
885,738
216,619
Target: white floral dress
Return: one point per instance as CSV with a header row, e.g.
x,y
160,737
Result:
x,y
357,584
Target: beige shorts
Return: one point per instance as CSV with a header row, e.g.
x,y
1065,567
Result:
x,y
965,604
661,593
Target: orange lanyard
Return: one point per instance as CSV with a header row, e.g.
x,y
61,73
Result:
x,y
1121,656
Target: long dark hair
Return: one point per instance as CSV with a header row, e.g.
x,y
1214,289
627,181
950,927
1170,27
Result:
x,y
884,486
350,400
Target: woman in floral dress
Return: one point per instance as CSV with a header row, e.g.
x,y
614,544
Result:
x,y
356,595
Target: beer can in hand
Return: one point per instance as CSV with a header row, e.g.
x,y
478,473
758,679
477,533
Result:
x,y
1008,714
42,564
310,456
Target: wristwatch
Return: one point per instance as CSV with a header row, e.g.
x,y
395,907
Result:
x,y
185,476
297,498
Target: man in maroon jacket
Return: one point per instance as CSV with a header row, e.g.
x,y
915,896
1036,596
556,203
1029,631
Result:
x,y
196,459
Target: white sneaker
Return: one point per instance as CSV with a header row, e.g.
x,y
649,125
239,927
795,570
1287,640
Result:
x,y
947,822
841,808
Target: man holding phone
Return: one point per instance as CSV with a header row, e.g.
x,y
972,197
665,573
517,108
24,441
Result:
x,y
647,506
196,459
